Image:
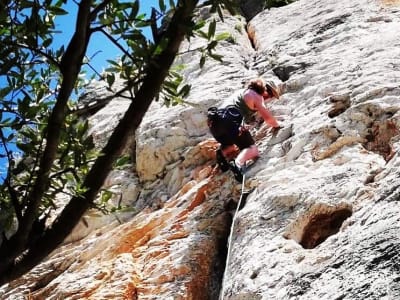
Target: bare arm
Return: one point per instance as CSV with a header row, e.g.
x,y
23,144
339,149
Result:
x,y
264,112
268,99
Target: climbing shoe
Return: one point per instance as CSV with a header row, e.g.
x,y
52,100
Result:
x,y
237,171
221,161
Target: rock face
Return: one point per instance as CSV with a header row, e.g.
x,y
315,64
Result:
x,y
323,219
323,222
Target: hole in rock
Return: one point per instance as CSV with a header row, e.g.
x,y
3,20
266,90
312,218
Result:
x,y
322,226
340,103
379,138
317,224
332,23
283,72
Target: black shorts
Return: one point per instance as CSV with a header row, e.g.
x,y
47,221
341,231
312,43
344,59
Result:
x,y
242,141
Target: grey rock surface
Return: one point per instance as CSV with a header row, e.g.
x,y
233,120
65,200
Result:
x,y
323,222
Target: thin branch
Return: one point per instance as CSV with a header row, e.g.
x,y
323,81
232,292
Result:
x,y
57,191
191,50
126,97
115,42
72,170
91,67
132,96
95,71
10,111
38,51
99,27
4,141
31,175
153,25
104,101
35,13
11,190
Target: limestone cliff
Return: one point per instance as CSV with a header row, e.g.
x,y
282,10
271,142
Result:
x,y
323,219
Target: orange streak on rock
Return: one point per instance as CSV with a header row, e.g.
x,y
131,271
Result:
x,y
178,235
143,232
390,2
165,248
130,292
198,198
208,148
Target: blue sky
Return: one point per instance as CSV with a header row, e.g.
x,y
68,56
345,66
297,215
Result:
x,y
100,48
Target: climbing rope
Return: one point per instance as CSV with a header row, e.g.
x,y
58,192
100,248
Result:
x,y
221,297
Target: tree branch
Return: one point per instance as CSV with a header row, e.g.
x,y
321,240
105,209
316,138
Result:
x,y
69,66
37,51
115,42
94,70
156,72
11,190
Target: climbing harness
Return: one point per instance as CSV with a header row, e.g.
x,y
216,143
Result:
x,y
224,123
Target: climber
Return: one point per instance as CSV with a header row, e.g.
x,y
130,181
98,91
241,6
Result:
x,y
248,104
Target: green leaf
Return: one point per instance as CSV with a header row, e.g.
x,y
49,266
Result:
x,y
162,5
220,14
202,34
29,133
24,147
122,161
10,137
212,45
69,177
160,46
216,56
211,29
202,61
105,196
199,24
57,10
110,79
185,90
6,122
223,36
47,42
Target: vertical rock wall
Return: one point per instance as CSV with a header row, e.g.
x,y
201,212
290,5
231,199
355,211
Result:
x,y
323,222
169,242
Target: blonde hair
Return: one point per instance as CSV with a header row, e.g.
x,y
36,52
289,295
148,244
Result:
x,y
257,85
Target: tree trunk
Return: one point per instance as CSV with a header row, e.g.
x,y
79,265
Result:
x,y
70,67
157,70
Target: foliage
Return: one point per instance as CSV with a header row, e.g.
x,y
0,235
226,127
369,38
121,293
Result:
x,y
46,146
30,71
